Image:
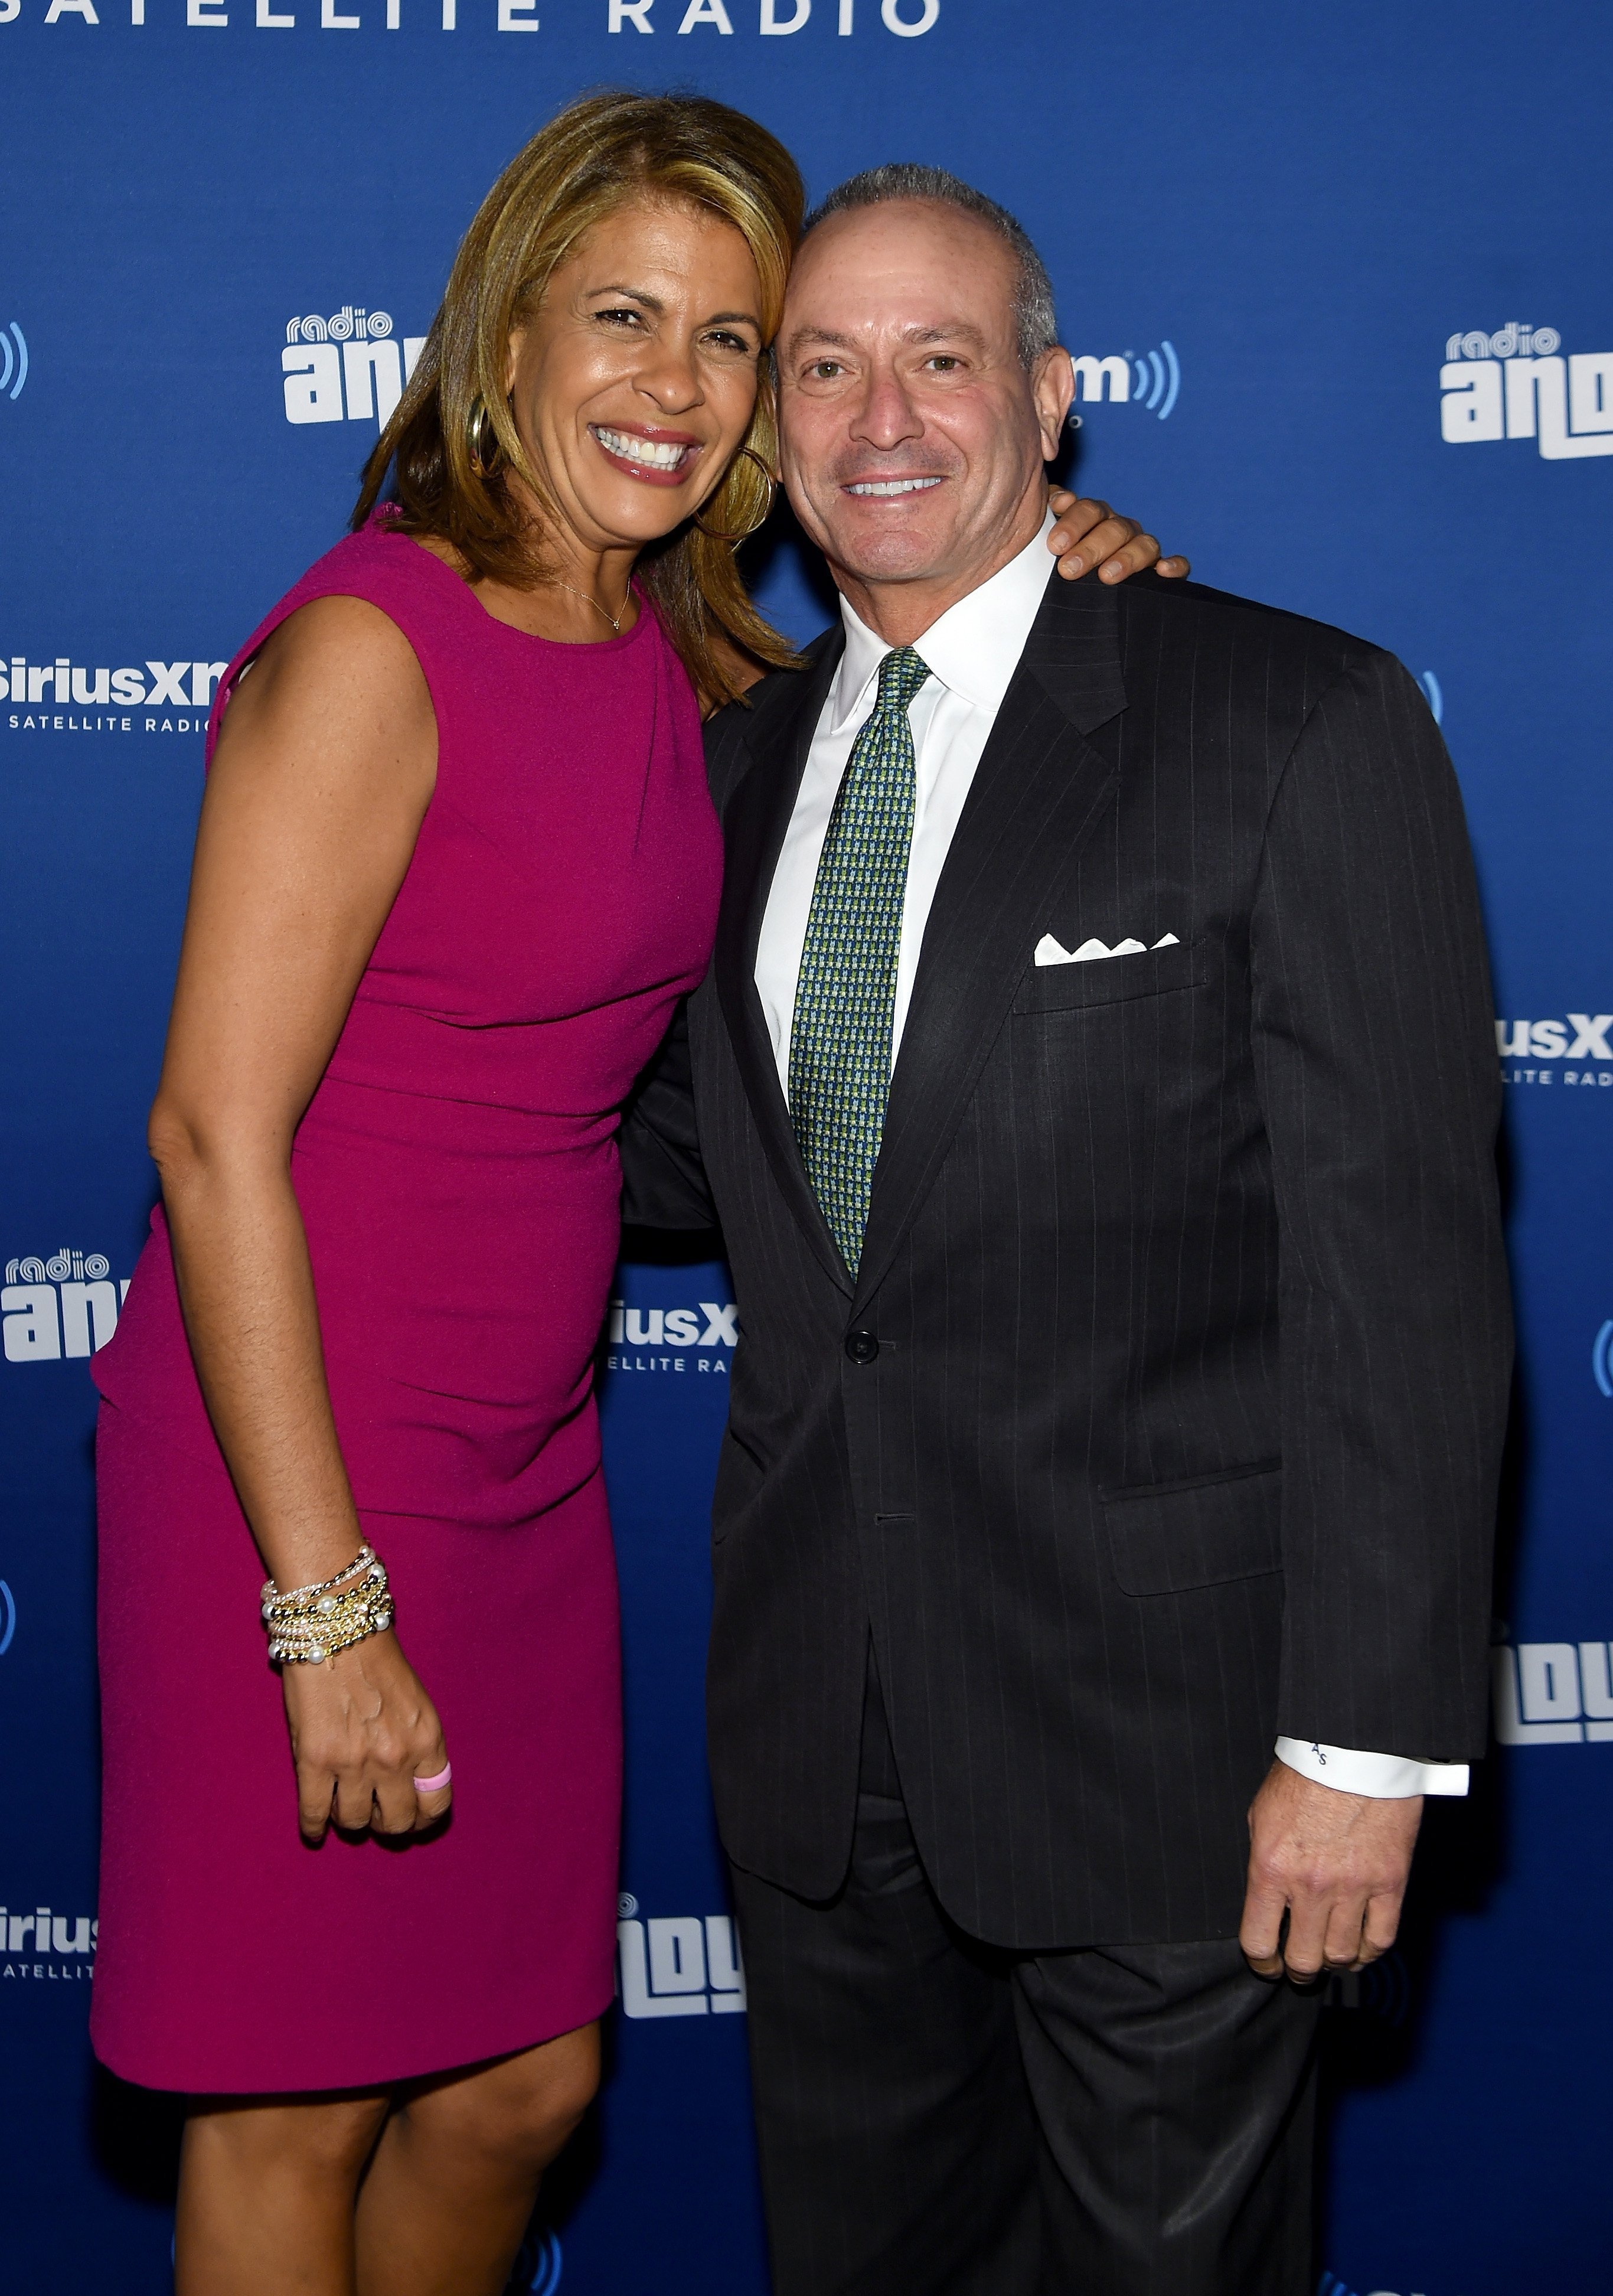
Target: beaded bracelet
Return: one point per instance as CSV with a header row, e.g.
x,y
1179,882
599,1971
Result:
x,y
310,1624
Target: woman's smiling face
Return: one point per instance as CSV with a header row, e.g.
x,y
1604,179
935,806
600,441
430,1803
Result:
x,y
633,384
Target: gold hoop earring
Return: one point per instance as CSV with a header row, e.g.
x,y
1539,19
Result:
x,y
481,440
772,489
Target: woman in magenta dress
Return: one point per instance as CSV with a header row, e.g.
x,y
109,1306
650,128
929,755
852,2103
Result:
x,y
456,862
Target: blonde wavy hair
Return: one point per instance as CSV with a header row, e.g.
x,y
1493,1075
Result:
x,y
604,149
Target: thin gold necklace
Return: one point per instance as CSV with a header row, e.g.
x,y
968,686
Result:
x,y
615,620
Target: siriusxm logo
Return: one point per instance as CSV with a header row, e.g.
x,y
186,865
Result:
x,y
1156,376
64,1306
1552,1693
1513,384
53,1947
538,2266
1578,1037
346,368
677,1964
671,1338
13,361
68,697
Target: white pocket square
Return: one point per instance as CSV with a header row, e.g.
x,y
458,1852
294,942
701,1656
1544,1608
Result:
x,y
1052,952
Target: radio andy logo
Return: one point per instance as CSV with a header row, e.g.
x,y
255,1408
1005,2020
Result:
x,y
1516,384
678,1964
346,368
66,1305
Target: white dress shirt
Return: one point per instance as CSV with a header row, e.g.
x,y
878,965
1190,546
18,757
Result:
x,y
972,653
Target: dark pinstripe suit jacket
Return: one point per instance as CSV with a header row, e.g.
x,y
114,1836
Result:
x,y
1184,1270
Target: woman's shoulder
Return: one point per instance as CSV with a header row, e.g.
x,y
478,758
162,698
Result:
x,y
379,561
339,604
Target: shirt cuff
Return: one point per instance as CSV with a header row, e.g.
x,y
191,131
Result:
x,y
1387,1777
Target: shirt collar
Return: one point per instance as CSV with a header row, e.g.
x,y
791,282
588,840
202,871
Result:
x,y
973,650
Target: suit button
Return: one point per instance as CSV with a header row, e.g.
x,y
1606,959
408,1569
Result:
x,y
862,1347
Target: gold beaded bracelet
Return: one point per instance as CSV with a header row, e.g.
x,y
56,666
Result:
x,y
310,1624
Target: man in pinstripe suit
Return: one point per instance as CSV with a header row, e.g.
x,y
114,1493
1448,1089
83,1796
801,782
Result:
x,y
1096,1093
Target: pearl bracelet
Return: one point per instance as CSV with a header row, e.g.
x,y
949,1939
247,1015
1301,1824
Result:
x,y
310,1624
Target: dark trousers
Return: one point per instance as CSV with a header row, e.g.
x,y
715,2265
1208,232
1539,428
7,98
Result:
x,y
939,2118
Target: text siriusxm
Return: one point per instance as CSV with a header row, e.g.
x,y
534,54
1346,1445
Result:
x,y
1578,1037
47,1947
154,684
671,1341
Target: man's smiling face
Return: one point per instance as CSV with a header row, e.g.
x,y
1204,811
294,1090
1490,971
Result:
x,y
914,439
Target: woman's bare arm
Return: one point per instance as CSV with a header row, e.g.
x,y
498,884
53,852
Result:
x,y
322,775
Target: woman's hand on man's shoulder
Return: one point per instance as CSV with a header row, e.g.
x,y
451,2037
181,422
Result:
x,y
1091,534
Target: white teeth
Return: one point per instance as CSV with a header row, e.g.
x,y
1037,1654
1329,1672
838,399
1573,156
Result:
x,y
658,455
884,487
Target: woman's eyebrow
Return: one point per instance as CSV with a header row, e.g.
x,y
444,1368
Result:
x,y
634,295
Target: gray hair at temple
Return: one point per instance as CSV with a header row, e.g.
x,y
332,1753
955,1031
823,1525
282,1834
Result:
x,y
1035,325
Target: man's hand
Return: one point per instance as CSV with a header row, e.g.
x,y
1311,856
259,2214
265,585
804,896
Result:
x,y
1090,534
1335,1864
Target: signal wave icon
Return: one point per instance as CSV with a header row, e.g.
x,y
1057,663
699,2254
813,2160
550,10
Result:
x,y
1601,1360
14,360
8,1618
1158,379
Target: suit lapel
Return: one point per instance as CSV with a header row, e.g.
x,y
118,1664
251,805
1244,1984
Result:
x,y
753,830
1037,793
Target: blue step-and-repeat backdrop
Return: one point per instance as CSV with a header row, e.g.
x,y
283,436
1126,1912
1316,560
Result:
x,y
1338,281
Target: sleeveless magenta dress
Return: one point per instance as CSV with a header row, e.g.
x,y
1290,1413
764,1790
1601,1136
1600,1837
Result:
x,y
458,1178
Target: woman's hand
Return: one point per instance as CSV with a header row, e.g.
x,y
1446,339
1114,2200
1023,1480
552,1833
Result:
x,y
1090,534
363,1730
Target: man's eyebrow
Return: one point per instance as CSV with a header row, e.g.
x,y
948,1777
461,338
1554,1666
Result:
x,y
818,335
952,331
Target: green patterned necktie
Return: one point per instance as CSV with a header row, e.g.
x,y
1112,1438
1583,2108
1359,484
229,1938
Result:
x,y
845,997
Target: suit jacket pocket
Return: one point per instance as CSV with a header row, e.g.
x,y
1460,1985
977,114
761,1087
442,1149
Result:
x,y
1170,1537
1111,980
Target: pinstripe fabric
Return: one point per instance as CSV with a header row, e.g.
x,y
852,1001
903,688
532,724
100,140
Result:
x,y
1185,1269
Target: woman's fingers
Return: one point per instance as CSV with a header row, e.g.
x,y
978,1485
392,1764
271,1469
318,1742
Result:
x,y
430,1807
355,1798
1116,543
315,1787
1089,533
396,1808
432,1802
1078,516
362,1732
